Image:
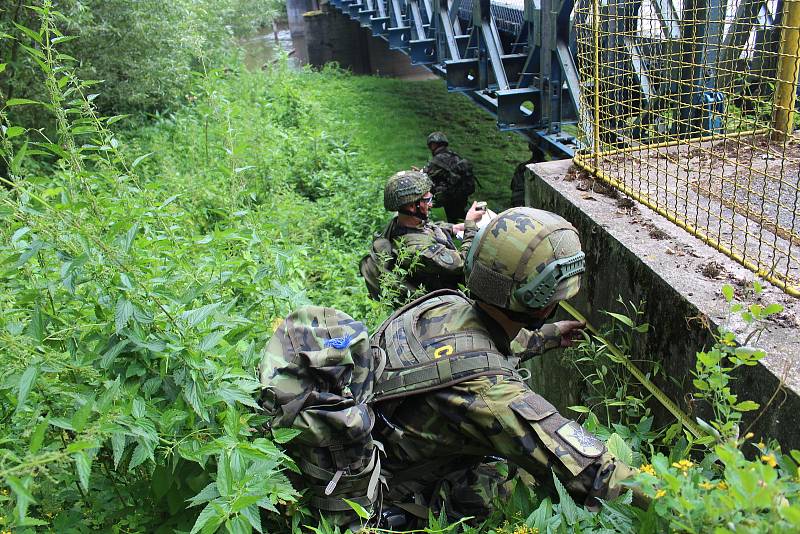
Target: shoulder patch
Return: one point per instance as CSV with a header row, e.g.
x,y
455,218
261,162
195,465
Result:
x,y
581,440
446,258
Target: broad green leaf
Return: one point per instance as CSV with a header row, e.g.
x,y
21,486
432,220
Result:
x,y
207,514
36,36
20,489
567,507
727,292
81,417
37,437
20,102
621,318
25,384
140,456
772,309
197,316
14,131
122,314
130,236
238,525
83,466
284,435
117,447
111,354
252,515
357,508
224,476
746,406
206,494
191,396
617,446
140,159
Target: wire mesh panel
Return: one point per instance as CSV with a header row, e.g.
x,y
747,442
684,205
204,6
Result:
x,y
690,107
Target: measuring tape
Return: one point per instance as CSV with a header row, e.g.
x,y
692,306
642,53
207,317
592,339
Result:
x,y
620,357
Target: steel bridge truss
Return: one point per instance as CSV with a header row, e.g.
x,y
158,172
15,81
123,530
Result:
x,y
520,64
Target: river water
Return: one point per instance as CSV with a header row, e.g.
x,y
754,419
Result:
x,y
264,48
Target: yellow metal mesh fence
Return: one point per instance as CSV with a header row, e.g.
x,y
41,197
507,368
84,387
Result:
x,y
690,108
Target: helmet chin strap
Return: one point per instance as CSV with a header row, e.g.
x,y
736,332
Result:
x,y
418,214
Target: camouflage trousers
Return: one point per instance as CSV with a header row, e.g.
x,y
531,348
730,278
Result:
x,y
439,437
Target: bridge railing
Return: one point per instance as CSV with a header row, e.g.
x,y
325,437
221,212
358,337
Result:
x,y
691,109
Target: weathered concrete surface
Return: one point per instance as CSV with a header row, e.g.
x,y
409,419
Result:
x,y
635,253
294,14
331,36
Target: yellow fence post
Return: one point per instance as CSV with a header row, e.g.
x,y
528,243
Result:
x,y
596,74
788,71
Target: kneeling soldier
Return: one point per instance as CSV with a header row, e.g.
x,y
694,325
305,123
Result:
x,y
424,249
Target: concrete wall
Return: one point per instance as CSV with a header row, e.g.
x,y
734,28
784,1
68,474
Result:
x,y
625,260
294,11
331,36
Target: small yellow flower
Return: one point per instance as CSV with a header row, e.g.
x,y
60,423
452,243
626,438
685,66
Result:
x,y
722,485
660,493
760,445
749,435
706,485
647,468
769,459
683,465
4,491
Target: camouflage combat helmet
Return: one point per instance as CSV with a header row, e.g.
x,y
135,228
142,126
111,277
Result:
x,y
525,259
438,137
404,188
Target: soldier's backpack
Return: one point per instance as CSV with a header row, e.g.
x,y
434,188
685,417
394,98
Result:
x,y
466,183
380,260
318,375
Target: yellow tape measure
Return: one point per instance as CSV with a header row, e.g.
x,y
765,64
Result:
x,y
620,357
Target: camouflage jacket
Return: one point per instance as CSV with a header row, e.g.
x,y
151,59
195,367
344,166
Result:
x,y
465,416
439,263
450,173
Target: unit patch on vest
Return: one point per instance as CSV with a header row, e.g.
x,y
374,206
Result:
x,y
581,440
446,257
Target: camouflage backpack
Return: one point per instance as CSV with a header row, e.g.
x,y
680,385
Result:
x,y
379,261
317,375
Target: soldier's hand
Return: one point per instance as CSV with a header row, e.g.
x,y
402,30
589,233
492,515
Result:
x,y
570,331
457,228
415,168
476,212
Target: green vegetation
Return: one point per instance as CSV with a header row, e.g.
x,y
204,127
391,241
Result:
x,y
145,262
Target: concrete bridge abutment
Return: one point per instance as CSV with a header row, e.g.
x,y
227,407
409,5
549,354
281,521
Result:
x,y
638,256
332,37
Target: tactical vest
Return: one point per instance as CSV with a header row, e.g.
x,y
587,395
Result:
x,y
416,365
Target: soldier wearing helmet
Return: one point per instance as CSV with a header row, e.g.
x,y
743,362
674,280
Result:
x,y
451,394
431,257
452,176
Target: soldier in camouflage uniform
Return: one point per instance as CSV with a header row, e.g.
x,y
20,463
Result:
x,y
452,177
464,353
518,180
439,263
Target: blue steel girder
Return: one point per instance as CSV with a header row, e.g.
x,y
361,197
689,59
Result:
x,y
475,61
